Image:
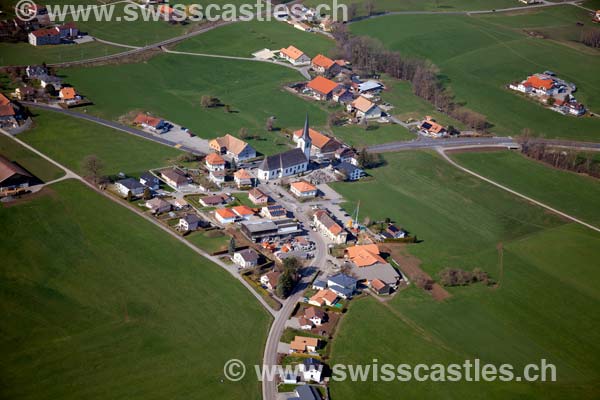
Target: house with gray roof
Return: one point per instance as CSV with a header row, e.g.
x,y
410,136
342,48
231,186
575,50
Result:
x,y
124,186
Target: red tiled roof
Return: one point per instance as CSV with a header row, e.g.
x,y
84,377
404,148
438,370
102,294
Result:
x,y
292,52
321,61
322,85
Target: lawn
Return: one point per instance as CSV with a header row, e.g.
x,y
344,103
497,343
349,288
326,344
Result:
x,y
210,241
28,160
358,136
547,271
571,193
172,86
25,54
478,55
98,303
244,38
69,140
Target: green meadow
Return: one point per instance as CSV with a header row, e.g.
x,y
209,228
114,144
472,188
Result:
x,y
542,307
574,194
244,38
99,303
25,54
478,56
33,163
171,86
70,140
358,136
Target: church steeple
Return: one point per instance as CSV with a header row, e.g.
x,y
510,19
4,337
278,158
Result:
x,y
304,142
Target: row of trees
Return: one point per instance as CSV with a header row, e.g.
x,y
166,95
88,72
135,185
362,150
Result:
x,y
591,37
369,57
460,277
571,160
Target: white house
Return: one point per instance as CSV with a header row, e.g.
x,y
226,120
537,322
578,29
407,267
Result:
x,y
214,162
294,56
246,258
364,108
329,228
124,186
303,189
235,148
189,222
311,369
225,216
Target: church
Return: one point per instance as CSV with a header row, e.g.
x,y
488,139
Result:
x,y
289,162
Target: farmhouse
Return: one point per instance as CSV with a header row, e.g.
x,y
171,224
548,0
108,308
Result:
x,y
270,279
364,108
46,36
174,178
431,128
225,216
348,171
158,205
324,65
124,186
322,88
242,178
214,162
256,196
236,148
321,145
290,162
329,228
153,124
246,258
13,177
294,56
303,189
302,344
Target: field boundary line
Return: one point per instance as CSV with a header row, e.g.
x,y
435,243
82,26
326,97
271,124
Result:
x,y
442,152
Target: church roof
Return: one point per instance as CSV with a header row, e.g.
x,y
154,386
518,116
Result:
x,y
283,160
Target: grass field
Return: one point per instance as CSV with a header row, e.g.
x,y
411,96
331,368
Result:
x,y
210,241
69,140
357,136
25,54
479,55
172,86
244,38
28,160
98,303
574,194
547,272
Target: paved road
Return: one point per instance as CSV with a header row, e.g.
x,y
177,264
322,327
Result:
x,y
425,143
114,125
70,174
269,388
529,199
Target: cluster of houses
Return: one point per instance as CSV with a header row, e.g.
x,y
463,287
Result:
x,y
335,81
39,79
548,89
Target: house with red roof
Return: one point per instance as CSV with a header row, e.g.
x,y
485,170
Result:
x,y
294,56
324,65
322,88
214,162
151,123
45,36
329,228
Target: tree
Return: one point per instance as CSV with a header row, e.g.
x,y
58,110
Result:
x,y
227,108
50,90
270,123
209,101
285,285
232,246
365,159
369,7
92,167
147,193
129,196
291,264
243,133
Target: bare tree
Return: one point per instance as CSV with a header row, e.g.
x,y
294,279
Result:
x,y
370,7
93,167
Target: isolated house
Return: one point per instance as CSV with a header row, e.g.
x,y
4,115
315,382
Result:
x,y
153,124
13,177
431,128
294,56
